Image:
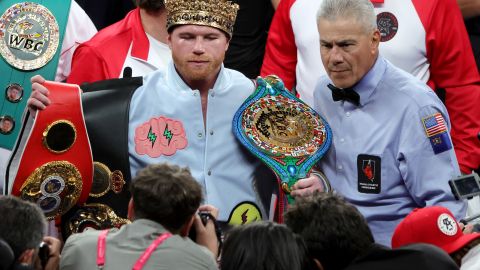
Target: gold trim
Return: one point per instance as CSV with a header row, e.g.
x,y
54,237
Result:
x,y
117,181
62,172
220,14
285,188
98,214
103,168
47,130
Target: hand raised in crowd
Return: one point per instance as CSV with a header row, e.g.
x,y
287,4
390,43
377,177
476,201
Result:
x,y
206,235
39,98
307,186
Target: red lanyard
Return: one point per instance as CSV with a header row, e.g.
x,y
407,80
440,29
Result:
x,y
101,247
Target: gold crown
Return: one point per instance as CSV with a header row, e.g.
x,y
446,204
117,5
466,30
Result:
x,y
220,14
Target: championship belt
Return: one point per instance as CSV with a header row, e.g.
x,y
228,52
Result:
x,y
94,216
31,35
106,109
282,131
51,164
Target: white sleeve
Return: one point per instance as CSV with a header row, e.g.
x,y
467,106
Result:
x,y
80,28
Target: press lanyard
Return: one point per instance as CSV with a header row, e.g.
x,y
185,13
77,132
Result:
x,y
101,247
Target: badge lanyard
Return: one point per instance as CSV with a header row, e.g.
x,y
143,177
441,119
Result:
x,y
101,247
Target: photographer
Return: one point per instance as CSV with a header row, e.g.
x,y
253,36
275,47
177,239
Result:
x,y
21,229
165,199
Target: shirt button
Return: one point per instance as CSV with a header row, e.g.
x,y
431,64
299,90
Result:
x,y
342,140
209,172
194,94
212,94
340,167
348,114
211,132
199,134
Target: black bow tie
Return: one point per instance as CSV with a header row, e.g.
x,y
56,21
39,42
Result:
x,y
347,94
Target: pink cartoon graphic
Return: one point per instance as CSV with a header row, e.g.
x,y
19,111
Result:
x,y
160,136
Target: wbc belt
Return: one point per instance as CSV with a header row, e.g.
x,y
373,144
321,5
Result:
x,y
31,35
283,132
51,164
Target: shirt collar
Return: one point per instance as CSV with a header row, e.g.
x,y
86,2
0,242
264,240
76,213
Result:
x,y
367,85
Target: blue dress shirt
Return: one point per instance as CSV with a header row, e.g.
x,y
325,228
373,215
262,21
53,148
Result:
x,y
389,126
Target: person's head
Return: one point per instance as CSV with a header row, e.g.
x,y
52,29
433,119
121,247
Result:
x,y
22,227
6,124
334,231
435,225
199,35
166,194
349,39
263,246
14,93
150,5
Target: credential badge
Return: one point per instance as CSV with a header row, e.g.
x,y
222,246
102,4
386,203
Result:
x,y
29,36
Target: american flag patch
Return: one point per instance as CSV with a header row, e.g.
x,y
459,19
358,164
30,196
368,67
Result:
x,y
434,124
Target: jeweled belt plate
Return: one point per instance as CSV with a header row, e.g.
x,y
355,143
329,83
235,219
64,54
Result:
x,y
281,130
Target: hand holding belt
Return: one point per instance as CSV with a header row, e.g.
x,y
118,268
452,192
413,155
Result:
x,y
347,94
52,161
283,132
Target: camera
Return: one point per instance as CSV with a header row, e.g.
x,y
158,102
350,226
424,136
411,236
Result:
x,y
43,253
466,186
205,217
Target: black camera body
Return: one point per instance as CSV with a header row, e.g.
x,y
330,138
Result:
x,y
205,217
466,186
43,254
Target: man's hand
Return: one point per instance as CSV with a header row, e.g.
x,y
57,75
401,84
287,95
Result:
x,y
206,234
54,246
39,98
307,186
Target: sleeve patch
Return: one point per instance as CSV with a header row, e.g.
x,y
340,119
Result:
x,y
437,133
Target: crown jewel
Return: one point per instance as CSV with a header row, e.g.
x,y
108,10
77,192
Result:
x,y
220,14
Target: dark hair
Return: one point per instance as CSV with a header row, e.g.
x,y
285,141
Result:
x,y
263,246
167,194
150,5
458,255
334,231
22,225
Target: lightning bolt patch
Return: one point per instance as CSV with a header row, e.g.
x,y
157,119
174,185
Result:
x,y
151,136
245,217
244,213
167,134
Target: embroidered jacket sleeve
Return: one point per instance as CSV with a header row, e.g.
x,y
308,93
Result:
x,y
452,67
426,175
281,52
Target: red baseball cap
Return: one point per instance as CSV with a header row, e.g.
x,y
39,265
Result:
x,y
432,225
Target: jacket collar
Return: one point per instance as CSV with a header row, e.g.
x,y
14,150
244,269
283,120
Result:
x,y
140,43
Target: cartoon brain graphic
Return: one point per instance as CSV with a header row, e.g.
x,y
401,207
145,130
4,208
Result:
x,y
160,136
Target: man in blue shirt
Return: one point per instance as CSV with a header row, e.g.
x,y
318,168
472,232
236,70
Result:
x,y
392,150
